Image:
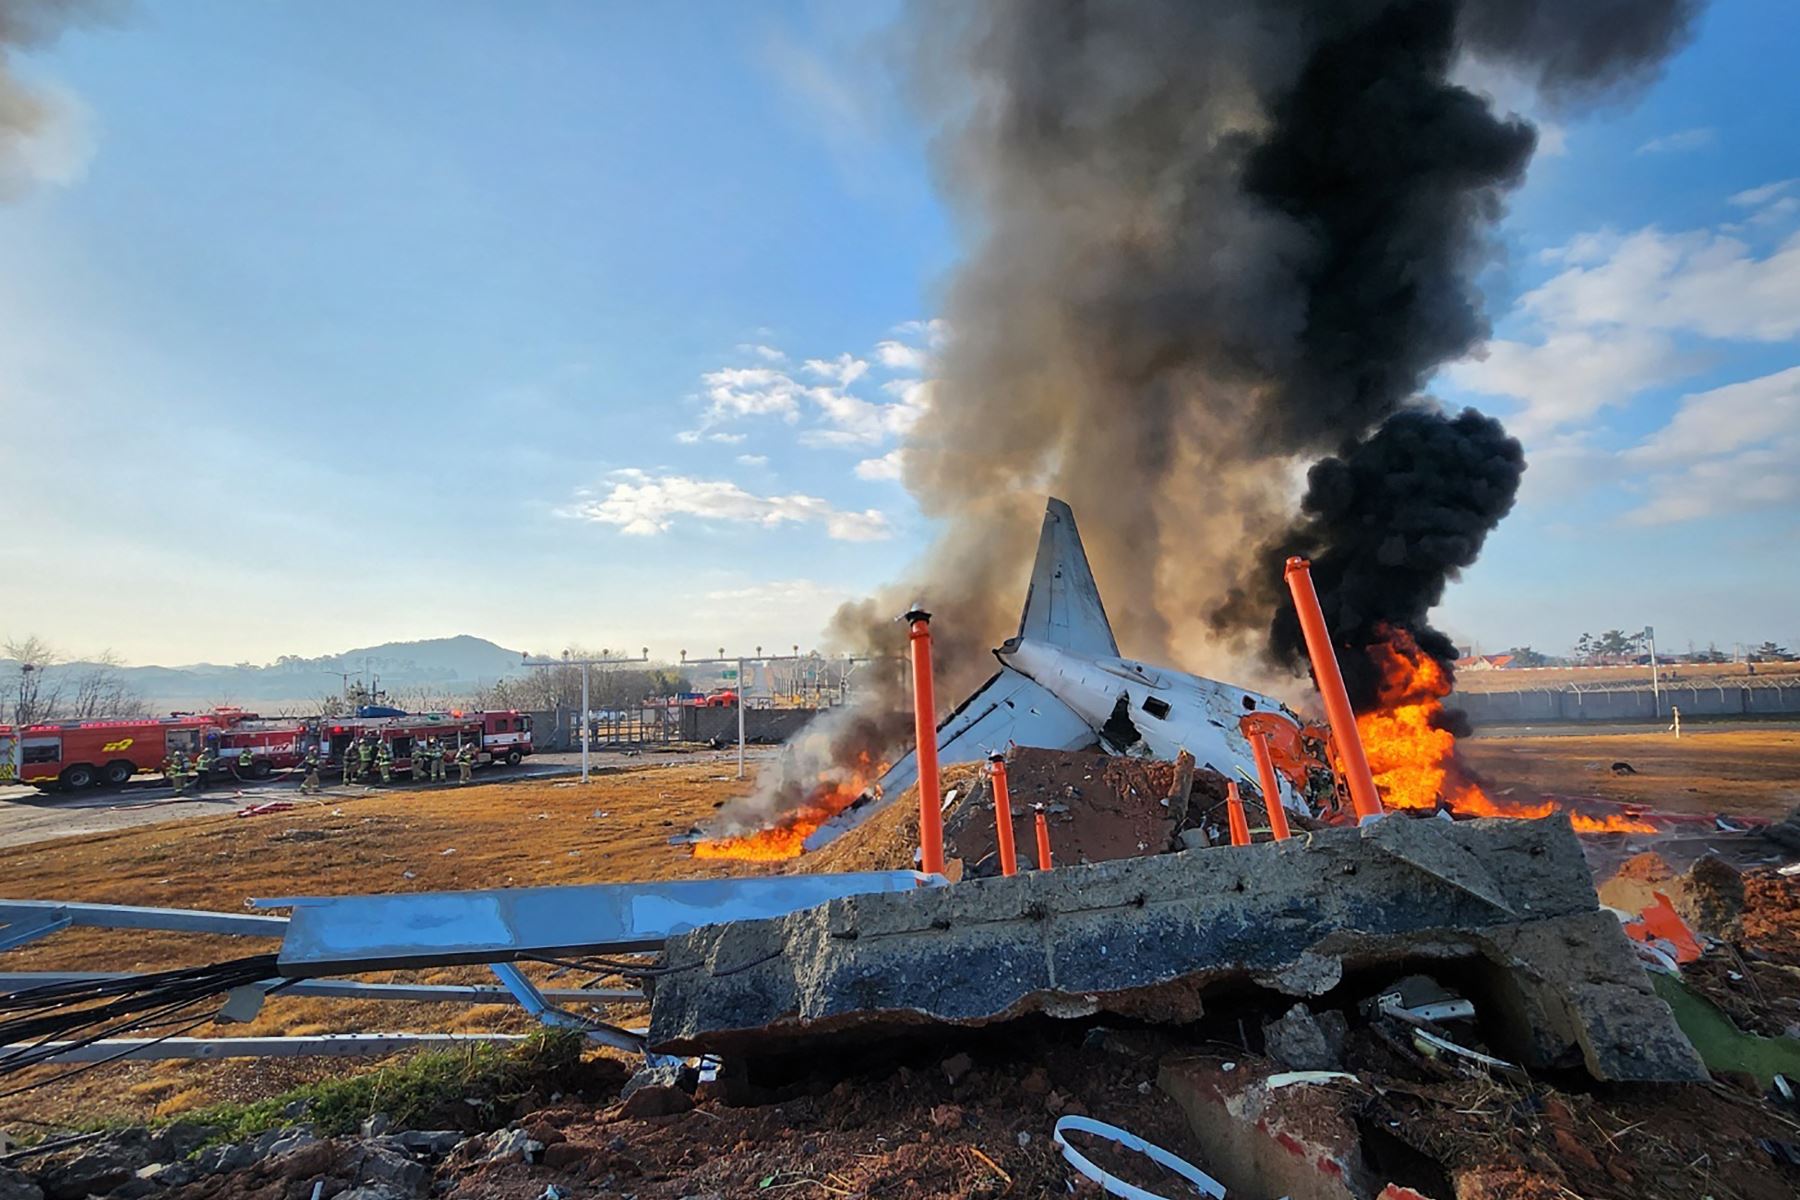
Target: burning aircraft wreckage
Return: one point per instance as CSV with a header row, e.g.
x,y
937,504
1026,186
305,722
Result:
x,y
1063,685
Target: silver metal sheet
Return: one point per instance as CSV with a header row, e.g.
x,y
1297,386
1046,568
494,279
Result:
x,y
22,927
129,916
330,935
330,1045
350,989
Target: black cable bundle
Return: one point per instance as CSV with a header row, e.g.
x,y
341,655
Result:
x,y
80,1012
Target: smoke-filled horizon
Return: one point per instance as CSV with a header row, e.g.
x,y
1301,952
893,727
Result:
x,y
1210,244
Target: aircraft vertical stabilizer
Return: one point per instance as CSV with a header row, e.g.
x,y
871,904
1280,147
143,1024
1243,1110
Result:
x,y
1063,606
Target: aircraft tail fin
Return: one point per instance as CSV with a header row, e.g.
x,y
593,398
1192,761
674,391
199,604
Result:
x,y
1063,606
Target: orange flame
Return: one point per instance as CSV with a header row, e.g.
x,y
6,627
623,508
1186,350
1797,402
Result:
x,y
837,790
1414,758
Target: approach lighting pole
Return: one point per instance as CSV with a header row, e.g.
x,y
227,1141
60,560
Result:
x,y
584,664
740,706
1655,685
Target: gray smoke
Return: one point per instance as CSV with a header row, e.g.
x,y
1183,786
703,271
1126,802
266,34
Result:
x,y
1210,242
34,120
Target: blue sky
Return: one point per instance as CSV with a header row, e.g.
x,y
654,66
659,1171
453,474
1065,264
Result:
x,y
323,324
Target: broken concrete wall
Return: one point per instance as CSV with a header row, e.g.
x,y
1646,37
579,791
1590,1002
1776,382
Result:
x,y
1152,937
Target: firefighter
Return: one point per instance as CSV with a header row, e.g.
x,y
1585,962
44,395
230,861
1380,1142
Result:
x,y
435,751
175,767
349,763
365,756
465,760
203,765
246,761
384,760
310,785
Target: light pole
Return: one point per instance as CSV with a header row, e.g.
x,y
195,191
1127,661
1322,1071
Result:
x,y
740,700
584,664
1655,684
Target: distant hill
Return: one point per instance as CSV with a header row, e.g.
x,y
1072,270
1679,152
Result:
x,y
453,666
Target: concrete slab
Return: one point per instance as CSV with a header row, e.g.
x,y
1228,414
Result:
x,y
1152,938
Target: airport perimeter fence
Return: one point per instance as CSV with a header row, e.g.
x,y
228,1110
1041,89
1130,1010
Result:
x,y
1633,702
559,729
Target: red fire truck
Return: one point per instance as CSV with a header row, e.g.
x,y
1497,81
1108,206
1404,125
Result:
x,y
503,737
78,754
71,755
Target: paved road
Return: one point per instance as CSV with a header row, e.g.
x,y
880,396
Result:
x,y
28,815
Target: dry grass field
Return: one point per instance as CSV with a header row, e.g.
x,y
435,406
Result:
x,y
1752,772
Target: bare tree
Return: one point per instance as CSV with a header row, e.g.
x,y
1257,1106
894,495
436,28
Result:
x,y
45,687
99,690
35,689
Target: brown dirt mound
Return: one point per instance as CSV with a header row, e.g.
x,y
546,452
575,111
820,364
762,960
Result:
x,y
1098,807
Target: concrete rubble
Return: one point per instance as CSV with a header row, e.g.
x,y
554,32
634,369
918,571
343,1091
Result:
x,y
1507,904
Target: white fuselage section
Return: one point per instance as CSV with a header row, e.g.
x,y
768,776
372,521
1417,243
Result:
x,y
1171,710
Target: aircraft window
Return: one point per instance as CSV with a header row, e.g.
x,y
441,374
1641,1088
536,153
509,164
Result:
x,y
1249,704
1156,708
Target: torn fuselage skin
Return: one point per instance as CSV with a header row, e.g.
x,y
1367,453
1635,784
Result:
x,y
1141,709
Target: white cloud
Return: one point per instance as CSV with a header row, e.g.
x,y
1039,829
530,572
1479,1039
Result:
x,y
1607,324
1700,282
888,467
751,392
1631,312
843,370
854,421
1727,419
1679,142
898,356
643,505
1767,477
1756,197
1725,450
935,332
754,460
1570,375
843,417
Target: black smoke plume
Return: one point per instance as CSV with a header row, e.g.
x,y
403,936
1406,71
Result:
x,y
1387,525
1209,242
